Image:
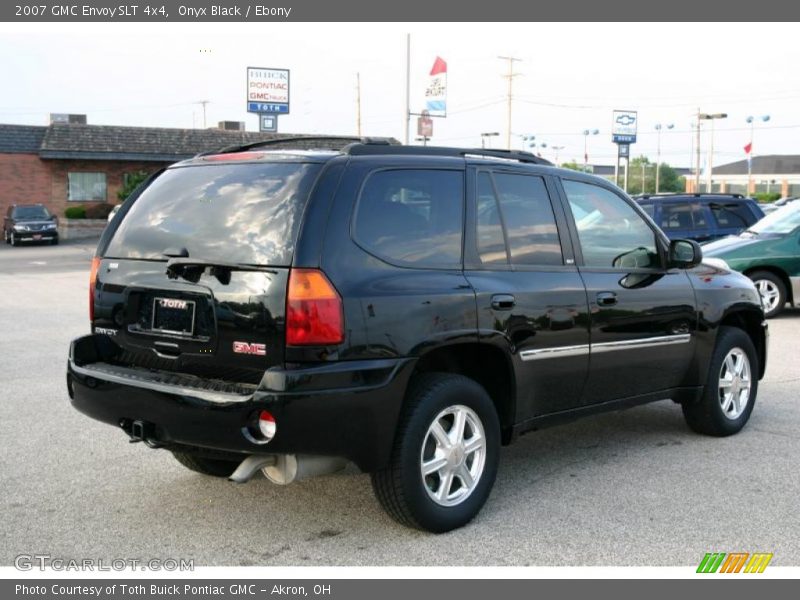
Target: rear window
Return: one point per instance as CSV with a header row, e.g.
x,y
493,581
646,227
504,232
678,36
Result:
x,y
243,213
732,214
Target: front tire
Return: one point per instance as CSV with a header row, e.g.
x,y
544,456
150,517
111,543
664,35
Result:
x,y
445,455
207,466
14,241
731,388
772,291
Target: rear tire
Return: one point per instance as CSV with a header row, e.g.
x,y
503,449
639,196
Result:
x,y
731,388
207,466
450,430
772,291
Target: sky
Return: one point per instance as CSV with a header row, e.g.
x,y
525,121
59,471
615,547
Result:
x,y
571,77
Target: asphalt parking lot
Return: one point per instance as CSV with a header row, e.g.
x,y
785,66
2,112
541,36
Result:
x,y
628,488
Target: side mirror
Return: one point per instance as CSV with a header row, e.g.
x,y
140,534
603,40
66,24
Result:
x,y
684,254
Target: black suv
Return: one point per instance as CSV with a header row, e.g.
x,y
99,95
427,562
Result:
x,y
701,217
29,223
406,309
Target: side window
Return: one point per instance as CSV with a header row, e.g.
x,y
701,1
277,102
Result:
x,y
491,242
650,209
731,215
676,215
610,232
529,220
412,216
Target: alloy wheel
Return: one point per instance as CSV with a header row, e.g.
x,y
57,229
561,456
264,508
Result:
x,y
770,294
734,383
453,455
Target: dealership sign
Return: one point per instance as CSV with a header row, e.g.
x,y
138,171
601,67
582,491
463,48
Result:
x,y
623,128
267,90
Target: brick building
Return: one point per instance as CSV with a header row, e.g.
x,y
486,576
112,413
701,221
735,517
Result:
x,y
69,164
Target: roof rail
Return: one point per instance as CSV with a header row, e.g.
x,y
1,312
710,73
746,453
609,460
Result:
x,y
371,148
692,194
279,140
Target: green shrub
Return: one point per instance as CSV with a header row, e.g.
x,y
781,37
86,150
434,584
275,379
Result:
x,y
75,212
98,211
768,197
130,182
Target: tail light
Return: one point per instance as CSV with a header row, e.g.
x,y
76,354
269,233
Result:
x,y
314,315
92,282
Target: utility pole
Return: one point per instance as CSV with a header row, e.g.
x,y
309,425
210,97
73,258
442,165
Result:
x,y
510,76
204,103
358,104
407,116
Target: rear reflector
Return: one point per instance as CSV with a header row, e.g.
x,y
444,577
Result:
x,y
267,425
92,283
314,314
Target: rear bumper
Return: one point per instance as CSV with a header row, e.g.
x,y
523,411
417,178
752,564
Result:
x,y
347,409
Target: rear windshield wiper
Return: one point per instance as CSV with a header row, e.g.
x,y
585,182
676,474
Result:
x,y
191,269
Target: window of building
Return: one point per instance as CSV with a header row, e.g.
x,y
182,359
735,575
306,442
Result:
x,y
86,186
413,217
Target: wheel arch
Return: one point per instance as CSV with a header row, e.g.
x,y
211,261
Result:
x,y
753,324
485,364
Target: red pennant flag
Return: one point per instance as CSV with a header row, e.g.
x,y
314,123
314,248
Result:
x,y
439,66
748,148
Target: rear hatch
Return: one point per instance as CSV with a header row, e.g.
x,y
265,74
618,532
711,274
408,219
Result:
x,y
193,281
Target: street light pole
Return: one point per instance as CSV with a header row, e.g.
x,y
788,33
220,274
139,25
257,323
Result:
x,y
658,153
557,149
712,118
751,120
586,133
488,134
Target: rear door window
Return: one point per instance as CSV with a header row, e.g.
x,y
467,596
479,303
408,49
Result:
x,y
240,213
525,216
412,217
731,215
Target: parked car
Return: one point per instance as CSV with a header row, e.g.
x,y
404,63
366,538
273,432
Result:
x,y
769,254
773,206
701,217
29,223
406,309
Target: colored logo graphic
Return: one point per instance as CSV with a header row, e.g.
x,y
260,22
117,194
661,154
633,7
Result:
x,y
734,562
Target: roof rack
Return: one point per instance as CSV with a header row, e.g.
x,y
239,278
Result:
x,y
275,141
692,194
372,147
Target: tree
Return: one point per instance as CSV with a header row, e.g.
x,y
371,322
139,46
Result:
x,y
668,178
130,182
571,165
